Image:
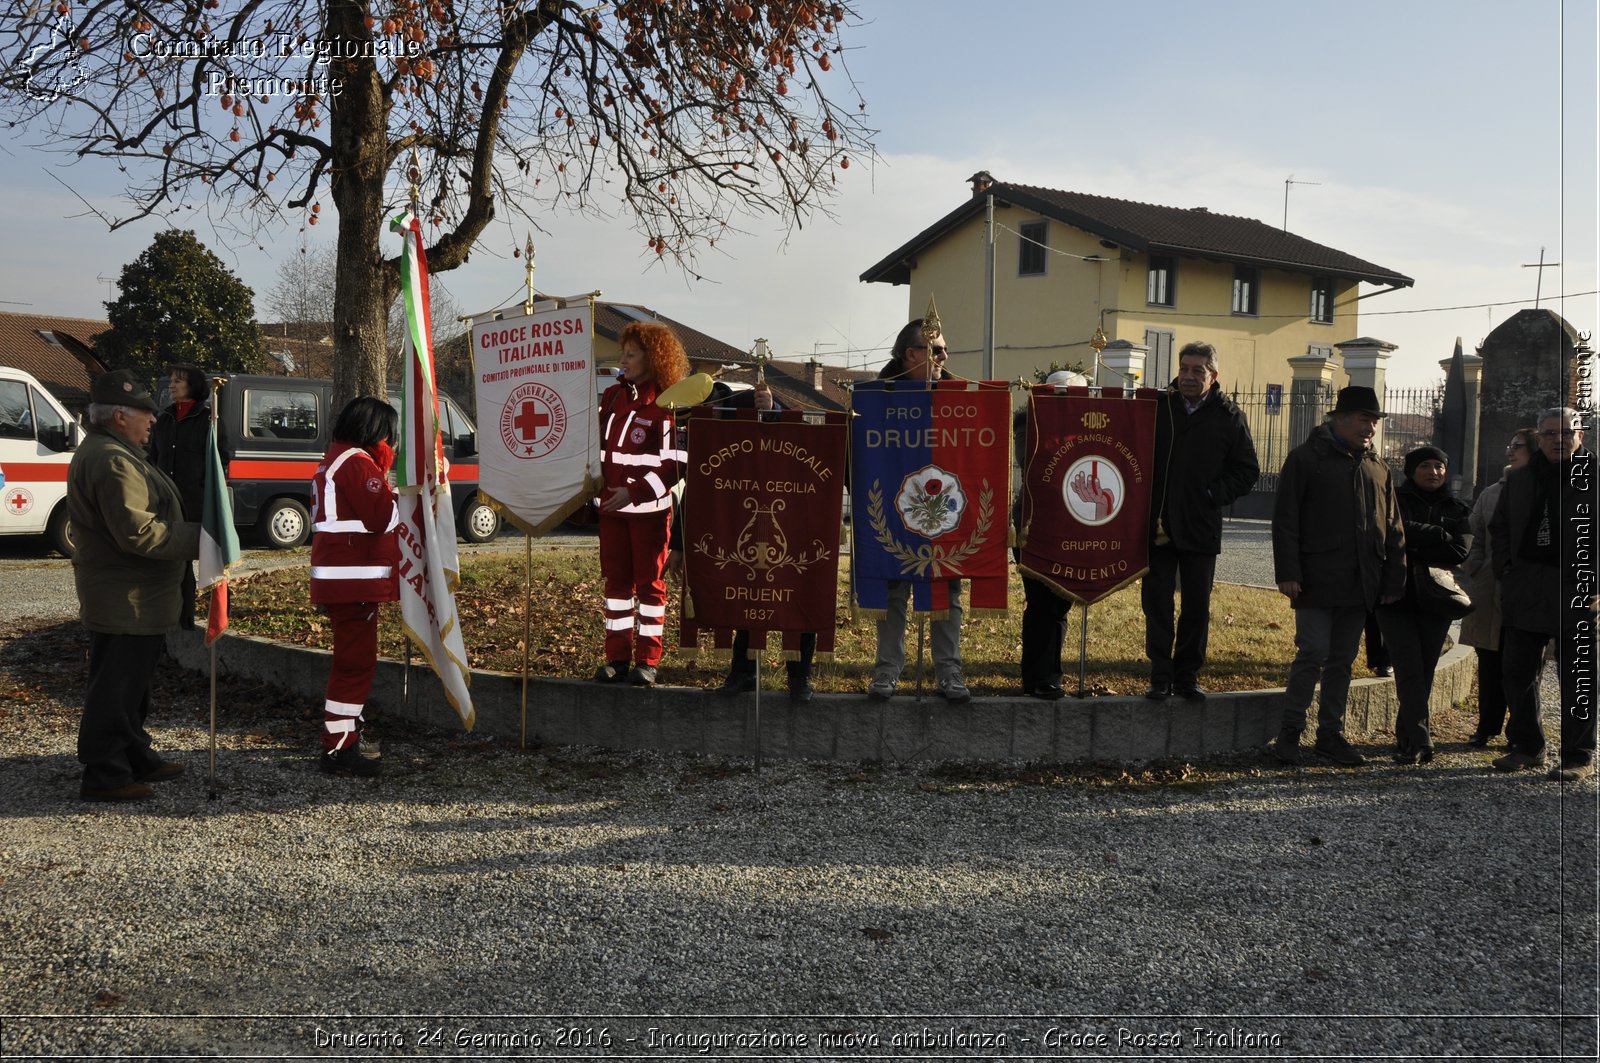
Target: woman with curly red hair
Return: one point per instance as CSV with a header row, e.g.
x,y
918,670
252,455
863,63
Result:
x,y
639,460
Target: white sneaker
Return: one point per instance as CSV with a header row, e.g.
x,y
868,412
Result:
x,y
954,689
882,689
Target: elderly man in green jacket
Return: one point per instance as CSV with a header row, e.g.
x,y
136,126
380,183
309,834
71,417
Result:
x,y
1338,548
131,547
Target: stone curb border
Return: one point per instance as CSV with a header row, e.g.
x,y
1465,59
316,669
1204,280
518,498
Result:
x,y
836,727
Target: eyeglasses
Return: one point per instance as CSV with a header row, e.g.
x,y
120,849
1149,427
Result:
x,y
1516,445
1565,433
938,352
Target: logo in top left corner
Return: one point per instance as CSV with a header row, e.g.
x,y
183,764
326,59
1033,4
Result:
x,y
54,64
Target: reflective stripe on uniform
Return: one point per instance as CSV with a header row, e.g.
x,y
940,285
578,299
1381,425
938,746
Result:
x,y
351,571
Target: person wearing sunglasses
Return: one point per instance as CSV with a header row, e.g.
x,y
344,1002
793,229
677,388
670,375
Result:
x,y
1547,590
1481,627
917,358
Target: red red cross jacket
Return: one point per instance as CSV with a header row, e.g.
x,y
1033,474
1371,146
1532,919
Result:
x,y
637,448
354,550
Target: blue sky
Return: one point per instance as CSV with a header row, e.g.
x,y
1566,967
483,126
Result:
x,y
1445,138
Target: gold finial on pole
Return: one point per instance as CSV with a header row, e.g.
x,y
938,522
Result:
x,y
931,325
527,252
760,355
1098,341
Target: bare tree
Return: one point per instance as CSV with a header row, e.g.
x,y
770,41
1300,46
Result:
x,y
680,114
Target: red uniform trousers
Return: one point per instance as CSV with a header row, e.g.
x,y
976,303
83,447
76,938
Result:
x,y
355,660
633,553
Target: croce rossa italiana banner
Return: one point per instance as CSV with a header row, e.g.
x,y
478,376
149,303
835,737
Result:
x,y
1087,465
538,436
929,491
762,511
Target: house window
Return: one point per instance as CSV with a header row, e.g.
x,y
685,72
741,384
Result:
x,y
1161,284
1030,253
1322,300
1244,290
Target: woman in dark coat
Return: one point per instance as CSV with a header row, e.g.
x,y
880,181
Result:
x,y
1437,534
178,448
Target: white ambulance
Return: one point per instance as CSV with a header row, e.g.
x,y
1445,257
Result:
x,y
37,437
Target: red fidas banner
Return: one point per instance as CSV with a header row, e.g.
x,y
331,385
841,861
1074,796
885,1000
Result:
x,y
1087,467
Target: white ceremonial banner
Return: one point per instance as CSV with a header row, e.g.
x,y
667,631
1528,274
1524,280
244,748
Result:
x,y
538,433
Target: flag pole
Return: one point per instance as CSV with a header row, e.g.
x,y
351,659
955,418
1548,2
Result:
x,y
1083,646
211,763
756,657
527,538
527,622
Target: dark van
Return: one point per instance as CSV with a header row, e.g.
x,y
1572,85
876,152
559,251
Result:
x,y
281,426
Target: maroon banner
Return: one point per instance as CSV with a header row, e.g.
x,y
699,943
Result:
x,y
763,505
1087,467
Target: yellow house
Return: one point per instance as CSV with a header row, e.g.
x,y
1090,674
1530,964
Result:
x,y
1152,278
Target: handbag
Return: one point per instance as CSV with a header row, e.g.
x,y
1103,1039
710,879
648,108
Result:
x,y
1439,593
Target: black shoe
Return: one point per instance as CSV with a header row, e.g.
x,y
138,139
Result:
x,y
1337,749
1408,757
1158,691
168,769
358,758
737,683
612,672
1479,740
1287,748
1383,671
1049,692
1190,691
1425,756
643,675
800,690
134,791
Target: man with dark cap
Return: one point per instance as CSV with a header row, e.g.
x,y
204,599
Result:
x,y
132,545
1338,548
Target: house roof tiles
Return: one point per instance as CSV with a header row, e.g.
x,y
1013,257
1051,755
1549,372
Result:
x,y
1195,232
58,351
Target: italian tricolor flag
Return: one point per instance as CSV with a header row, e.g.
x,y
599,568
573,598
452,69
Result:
x,y
219,543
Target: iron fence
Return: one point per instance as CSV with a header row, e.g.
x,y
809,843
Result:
x,y
1281,419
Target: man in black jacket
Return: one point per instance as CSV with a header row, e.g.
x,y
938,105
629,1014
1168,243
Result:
x,y
1338,551
1205,460
1547,588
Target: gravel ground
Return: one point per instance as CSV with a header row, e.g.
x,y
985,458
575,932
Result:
x,y
483,902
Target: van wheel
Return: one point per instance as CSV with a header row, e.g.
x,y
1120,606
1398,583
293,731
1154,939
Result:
x,y
284,524
479,521
58,532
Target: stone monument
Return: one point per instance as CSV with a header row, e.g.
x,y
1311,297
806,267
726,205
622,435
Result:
x,y
1528,366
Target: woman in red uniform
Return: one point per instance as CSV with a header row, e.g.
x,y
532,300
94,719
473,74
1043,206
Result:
x,y
640,461
354,552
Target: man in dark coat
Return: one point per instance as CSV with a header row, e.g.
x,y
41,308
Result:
x,y
1338,550
1205,460
132,546
1547,589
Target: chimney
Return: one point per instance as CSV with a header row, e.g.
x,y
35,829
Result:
x,y
814,374
982,181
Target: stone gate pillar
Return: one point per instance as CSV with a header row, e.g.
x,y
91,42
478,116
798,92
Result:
x,y
1122,357
1364,362
1310,394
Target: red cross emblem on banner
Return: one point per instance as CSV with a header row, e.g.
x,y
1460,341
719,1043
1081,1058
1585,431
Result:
x,y
533,421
